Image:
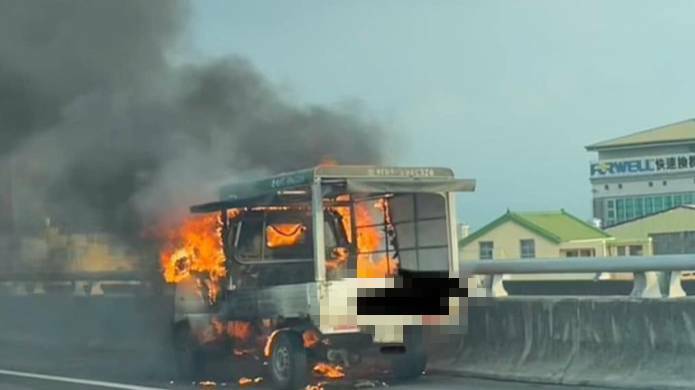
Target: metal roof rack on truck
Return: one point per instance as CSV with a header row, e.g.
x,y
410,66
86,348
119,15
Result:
x,y
367,177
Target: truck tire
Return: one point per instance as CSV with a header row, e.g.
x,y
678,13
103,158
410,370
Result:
x,y
412,363
188,355
288,364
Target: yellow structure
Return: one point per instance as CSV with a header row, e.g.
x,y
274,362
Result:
x,y
94,252
667,232
535,235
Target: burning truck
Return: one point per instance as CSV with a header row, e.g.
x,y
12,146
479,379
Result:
x,y
311,271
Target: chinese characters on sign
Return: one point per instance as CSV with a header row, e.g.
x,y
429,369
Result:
x,y
643,166
404,172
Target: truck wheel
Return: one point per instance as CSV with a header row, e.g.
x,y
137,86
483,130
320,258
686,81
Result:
x,y
189,357
288,362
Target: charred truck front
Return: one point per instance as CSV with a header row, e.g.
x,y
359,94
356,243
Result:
x,y
326,265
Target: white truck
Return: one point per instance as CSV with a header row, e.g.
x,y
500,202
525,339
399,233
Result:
x,y
326,265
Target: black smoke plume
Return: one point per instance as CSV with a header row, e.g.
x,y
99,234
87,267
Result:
x,y
105,133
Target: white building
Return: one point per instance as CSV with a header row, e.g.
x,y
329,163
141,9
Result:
x,y
643,173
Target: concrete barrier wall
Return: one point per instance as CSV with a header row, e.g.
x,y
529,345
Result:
x,y
75,322
610,341
116,337
83,335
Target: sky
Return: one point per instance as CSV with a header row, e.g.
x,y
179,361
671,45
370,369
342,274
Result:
x,y
505,92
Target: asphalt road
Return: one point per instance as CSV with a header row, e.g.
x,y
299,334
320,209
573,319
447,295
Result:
x,y
431,382
64,343
30,366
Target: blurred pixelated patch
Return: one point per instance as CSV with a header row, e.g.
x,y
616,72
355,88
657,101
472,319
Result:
x,y
421,293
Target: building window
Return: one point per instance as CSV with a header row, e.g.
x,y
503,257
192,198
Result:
x,y
632,250
668,202
579,252
587,253
673,243
664,183
658,204
626,209
610,211
636,250
486,250
651,184
629,209
639,207
620,209
648,205
620,186
528,249
606,187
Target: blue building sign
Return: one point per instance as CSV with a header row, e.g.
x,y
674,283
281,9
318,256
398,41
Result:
x,y
644,166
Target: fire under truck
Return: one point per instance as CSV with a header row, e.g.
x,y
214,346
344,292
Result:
x,y
327,265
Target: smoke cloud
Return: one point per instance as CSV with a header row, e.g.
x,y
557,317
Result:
x,y
104,133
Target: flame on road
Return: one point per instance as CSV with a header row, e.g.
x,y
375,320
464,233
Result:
x,y
329,371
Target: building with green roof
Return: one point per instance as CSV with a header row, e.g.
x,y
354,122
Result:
x,y
547,234
666,232
643,173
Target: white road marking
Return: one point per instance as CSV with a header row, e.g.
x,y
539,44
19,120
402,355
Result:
x,y
77,381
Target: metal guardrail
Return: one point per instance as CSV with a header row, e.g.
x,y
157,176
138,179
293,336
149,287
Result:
x,y
75,283
654,276
37,276
76,287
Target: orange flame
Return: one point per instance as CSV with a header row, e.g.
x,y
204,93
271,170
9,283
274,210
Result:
x,y
239,330
339,257
244,381
194,246
284,235
311,338
369,239
329,371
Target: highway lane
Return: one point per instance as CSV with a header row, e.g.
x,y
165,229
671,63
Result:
x,y
25,347
144,371
431,382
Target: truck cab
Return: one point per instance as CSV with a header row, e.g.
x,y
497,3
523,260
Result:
x,y
326,265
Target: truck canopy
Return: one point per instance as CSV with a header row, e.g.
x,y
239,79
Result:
x,y
293,187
